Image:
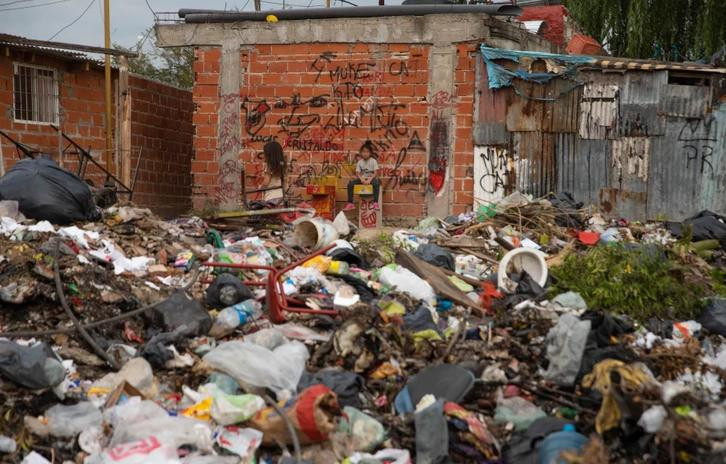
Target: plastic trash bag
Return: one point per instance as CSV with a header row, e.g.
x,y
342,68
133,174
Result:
x,y
180,310
407,282
45,191
69,421
713,317
278,369
226,290
149,450
434,254
565,346
33,367
231,409
518,411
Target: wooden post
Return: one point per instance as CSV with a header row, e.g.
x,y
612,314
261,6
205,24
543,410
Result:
x,y
125,126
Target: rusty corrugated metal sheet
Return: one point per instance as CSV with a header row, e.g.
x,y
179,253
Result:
x,y
629,168
640,97
534,161
599,111
560,115
713,186
687,101
490,111
643,87
687,167
526,113
582,166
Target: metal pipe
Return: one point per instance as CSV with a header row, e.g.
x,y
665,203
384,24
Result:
x,y
217,16
107,76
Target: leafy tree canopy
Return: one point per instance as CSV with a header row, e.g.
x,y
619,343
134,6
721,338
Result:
x,y
673,30
169,65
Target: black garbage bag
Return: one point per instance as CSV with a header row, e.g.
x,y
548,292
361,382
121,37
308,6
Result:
x,y
706,225
45,191
567,206
33,367
227,290
434,254
349,256
527,289
182,311
346,385
603,327
713,317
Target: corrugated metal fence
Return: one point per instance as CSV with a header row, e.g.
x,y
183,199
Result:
x,y
630,141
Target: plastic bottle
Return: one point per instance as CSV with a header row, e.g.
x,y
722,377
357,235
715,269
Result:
x,y
555,443
7,444
233,316
338,268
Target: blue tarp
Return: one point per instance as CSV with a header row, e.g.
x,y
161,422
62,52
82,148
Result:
x,y
499,76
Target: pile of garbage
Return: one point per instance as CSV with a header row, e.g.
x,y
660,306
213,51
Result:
x,y
531,330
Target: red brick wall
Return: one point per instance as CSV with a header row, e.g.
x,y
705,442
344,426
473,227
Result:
x,y
81,104
161,123
161,126
322,102
463,168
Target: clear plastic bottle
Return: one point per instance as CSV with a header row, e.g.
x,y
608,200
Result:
x,y
233,316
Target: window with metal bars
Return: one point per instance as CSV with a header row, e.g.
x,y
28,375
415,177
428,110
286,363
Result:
x,y
35,92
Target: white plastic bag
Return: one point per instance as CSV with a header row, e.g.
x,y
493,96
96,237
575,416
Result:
x,y
409,283
278,369
231,409
68,421
150,450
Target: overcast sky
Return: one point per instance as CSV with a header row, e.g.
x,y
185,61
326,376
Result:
x,y
129,18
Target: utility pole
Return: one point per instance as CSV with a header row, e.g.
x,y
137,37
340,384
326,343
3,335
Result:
x,y
107,44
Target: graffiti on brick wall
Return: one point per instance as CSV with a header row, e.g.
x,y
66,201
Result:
x,y
440,152
352,98
229,146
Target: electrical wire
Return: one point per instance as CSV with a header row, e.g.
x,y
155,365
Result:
x,y
73,22
152,11
34,6
16,1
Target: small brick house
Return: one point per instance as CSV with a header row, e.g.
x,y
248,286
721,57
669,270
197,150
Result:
x,y
44,85
323,86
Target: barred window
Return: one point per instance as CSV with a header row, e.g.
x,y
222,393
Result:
x,y
35,91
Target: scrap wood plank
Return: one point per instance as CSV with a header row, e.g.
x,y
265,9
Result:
x,y
436,278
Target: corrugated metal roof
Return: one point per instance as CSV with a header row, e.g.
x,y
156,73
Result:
x,y
649,65
75,52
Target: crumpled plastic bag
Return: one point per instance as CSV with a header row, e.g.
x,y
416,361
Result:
x,y
518,411
565,346
278,369
713,317
434,254
633,378
407,282
358,431
68,421
33,367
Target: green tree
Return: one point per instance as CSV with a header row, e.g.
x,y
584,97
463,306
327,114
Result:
x,y
674,30
169,65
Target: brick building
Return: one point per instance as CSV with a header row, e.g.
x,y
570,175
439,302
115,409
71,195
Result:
x,y
324,86
42,85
